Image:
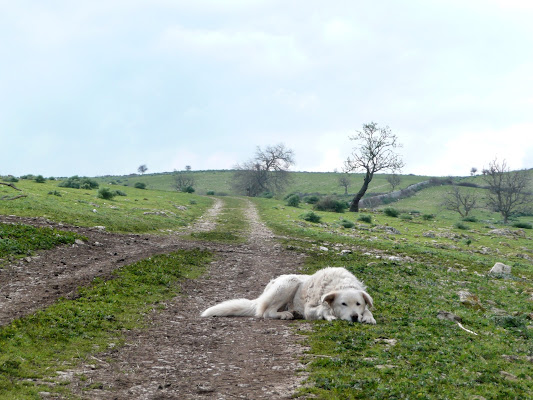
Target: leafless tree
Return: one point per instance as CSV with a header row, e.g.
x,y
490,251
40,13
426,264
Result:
x,y
508,190
460,201
344,181
184,181
142,169
266,172
394,180
374,152
473,171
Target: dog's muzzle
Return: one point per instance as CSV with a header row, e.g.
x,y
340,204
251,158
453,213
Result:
x,y
355,318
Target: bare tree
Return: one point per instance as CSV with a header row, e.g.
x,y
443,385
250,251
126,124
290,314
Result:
x,y
344,181
7,197
473,171
508,190
394,180
459,201
188,168
142,169
266,172
184,182
374,152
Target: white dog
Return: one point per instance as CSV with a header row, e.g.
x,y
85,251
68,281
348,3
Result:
x,y
331,293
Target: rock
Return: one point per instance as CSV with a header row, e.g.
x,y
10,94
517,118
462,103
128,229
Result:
x,y
469,300
395,259
508,376
444,315
78,241
500,269
322,248
344,252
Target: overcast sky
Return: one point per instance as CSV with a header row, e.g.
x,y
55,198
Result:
x,y
100,87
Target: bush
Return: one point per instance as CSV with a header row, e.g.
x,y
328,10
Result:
x,y
139,185
189,189
391,212
267,195
470,219
11,179
310,216
330,204
523,225
106,193
40,179
365,218
406,217
55,193
293,201
427,217
75,182
120,193
460,225
312,199
347,224
210,193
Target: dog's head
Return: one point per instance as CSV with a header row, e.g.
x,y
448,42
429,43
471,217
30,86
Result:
x,y
348,304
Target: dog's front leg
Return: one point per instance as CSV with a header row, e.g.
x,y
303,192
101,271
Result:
x,y
368,318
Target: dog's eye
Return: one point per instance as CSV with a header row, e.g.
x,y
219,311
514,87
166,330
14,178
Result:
x,y
344,304
358,304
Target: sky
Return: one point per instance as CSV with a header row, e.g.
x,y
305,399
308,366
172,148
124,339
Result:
x,y
101,87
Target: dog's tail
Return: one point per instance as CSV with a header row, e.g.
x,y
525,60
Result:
x,y
232,308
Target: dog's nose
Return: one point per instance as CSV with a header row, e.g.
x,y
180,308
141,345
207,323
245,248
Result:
x,y
355,318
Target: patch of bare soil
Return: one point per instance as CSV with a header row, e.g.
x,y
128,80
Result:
x,y
180,355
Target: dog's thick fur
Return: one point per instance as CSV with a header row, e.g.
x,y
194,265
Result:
x,y
331,293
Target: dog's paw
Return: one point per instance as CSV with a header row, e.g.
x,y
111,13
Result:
x,y
368,319
330,318
286,315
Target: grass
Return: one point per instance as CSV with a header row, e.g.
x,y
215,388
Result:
x,y
34,348
23,240
411,353
139,211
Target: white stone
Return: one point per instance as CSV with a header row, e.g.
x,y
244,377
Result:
x,y
500,269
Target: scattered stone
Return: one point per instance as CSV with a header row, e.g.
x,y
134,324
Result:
x,y
100,227
390,342
94,210
469,300
508,376
444,315
79,241
322,248
385,366
500,269
429,234
344,252
205,388
395,258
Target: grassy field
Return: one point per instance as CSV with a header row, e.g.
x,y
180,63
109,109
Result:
x,y
415,269
301,182
136,211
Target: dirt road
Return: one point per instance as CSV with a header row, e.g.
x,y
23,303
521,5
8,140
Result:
x,y
180,355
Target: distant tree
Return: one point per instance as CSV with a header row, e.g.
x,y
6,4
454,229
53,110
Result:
x,y
188,168
374,152
142,169
473,171
459,201
394,180
344,181
40,179
266,172
507,189
184,182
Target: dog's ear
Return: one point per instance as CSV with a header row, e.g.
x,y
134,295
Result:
x,y
368,299
329,297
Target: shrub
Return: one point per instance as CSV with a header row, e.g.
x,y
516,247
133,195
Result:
x,y
210,193
460,225
40,179
106,193
139,185
406,217
523,225
192,202
310,216
427,217
312,199
120,193
365,218
75,182
267,195
11,179
189,189
347,224
391,212
470,219
293,201
330,204
55,193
